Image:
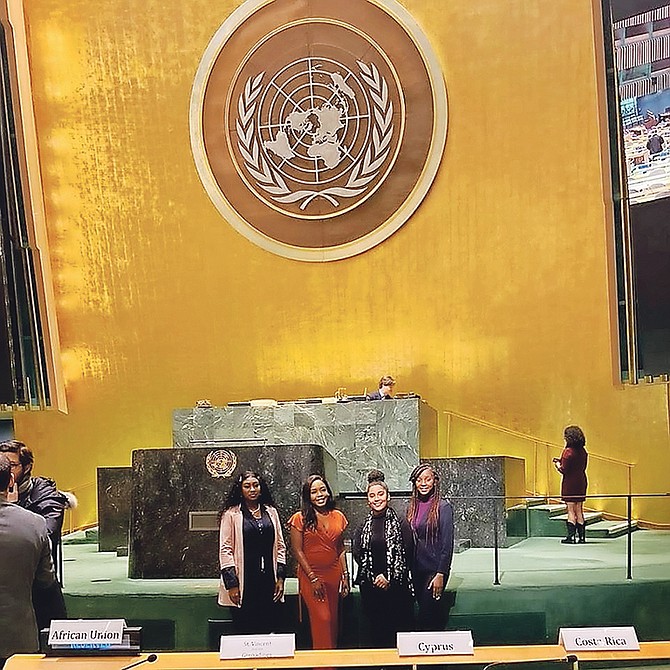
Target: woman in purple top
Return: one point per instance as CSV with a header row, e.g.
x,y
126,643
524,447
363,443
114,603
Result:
x,y
432,522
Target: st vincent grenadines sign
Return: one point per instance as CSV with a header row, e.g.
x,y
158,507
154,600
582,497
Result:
x,y
317,128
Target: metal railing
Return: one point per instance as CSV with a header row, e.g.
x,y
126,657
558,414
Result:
x,y
536,452
628,497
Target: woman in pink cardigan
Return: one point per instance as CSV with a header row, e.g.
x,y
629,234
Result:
x,y
252,555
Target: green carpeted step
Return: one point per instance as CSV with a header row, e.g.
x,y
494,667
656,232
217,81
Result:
x,y
550,509
528,502
606,528
540,519
556,526
589,518
534,502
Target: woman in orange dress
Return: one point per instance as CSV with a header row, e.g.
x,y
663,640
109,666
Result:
x,y
318,545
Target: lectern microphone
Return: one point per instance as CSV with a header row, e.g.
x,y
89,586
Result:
x,y
149,659
570,658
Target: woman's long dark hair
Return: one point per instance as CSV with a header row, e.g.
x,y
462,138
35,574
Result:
x,y
307,508
235,497
434,511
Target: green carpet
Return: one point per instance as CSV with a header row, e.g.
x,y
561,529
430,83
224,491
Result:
x,y
544,585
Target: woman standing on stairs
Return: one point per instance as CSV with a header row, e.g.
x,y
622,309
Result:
x,y
572,465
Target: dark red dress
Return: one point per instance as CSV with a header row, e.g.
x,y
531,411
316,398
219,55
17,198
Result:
x,y
573,469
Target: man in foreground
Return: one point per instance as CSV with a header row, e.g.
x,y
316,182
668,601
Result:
x,y
37,494
26,560
40,496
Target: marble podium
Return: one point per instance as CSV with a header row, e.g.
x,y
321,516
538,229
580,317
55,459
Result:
x,y
114,488
481,489
176,494
359,435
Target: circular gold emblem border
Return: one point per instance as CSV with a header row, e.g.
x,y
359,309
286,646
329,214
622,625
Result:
x,y
389,64
384,230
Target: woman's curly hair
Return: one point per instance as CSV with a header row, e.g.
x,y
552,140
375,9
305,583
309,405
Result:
x,y
574,437
235,497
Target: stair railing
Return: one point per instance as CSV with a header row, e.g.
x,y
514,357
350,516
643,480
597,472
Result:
x,y
542,452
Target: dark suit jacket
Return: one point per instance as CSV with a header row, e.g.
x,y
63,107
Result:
x,y
44,498
26,559
376,395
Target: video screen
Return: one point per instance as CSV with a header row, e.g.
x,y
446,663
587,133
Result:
x,y
642,46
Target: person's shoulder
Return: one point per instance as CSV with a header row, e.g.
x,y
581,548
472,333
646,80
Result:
x,y
404,521
296,520
25,517
44,488
44,484
231,512
340,516
445,503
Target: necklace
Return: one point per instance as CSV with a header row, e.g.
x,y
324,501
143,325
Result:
x,y
256,513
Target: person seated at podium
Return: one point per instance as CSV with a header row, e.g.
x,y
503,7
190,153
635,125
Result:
x,y
252,555
383,548
432,521
317,540
385,390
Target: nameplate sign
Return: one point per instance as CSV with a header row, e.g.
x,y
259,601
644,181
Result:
x,y
86,633
597,639
257,646
438,643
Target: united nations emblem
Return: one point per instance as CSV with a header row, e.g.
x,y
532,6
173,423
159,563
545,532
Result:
x,y
312,132
318,134
221,462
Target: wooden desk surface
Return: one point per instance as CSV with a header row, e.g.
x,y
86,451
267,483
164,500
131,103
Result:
x,y
334,657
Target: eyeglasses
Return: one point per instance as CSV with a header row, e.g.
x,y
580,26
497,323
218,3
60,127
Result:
x,y
14,465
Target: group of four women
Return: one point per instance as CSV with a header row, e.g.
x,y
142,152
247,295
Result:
x,y
399,558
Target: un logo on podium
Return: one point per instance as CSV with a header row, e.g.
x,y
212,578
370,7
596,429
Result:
x,y
317,134
221,462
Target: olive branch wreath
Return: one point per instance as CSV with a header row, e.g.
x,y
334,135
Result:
x,y
364,171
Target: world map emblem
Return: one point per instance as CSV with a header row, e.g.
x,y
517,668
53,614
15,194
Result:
x,y
315,136
312,132
221,462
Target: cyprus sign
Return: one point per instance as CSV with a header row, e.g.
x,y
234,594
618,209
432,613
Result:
x,y
318,127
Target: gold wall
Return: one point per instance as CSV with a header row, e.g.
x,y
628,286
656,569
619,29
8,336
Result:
x,y
492,301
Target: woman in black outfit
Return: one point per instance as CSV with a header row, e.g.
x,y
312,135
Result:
x,y
382,548
252,556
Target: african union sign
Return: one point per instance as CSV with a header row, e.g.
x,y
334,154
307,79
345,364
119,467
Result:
x,y
317,128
